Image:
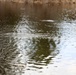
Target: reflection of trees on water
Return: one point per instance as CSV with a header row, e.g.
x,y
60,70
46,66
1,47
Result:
x,y
43,49
69,14
35,46
50,29
9,13
38,12
35,14
40,49
52,11
9,16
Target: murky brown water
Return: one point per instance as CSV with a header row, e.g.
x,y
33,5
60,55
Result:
x,y
37,39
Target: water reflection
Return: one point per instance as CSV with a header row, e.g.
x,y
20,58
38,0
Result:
x,y
52,12
36,39
9,16
44,48
7,53
35,47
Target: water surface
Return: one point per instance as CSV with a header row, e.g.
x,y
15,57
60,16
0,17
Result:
x,y
37,39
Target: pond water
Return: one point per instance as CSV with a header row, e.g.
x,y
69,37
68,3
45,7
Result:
x,y
37,39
